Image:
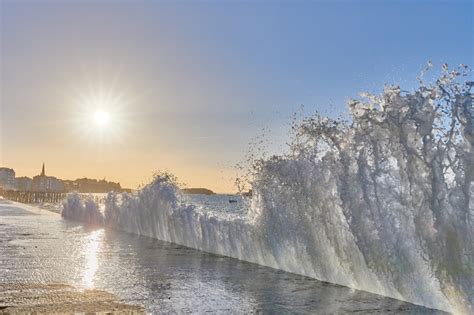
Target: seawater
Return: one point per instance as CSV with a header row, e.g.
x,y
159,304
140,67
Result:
x,y
382,201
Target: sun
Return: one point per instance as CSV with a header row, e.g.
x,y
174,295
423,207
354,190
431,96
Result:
x,y
101,113
101,118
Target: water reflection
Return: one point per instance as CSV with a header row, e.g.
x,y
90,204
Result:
x,y
92,245
167,278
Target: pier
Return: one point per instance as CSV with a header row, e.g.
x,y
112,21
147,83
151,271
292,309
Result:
x,y
33,196
38,197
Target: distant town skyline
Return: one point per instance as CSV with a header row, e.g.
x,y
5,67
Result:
x,y
46,183
42,169
121,89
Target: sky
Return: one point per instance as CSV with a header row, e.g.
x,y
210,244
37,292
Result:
x,y
187,85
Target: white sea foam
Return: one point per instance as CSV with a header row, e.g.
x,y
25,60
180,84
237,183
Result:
x,y
383,203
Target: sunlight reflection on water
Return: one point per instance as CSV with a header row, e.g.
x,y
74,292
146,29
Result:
x,y
91,247
164,278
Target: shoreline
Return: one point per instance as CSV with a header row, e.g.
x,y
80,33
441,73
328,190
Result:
x,y
21,298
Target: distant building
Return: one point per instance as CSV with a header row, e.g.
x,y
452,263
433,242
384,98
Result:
x,y
87,185
71,185
7,178
23,183
46,183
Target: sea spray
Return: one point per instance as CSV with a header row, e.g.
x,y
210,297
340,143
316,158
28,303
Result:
x,y
87,210
382,203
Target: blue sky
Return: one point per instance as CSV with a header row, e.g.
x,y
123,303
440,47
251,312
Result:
x,y
199,79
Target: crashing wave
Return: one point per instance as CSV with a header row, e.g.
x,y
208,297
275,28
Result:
x,y
383,203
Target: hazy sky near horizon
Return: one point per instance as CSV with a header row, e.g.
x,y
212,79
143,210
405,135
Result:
x,y
187,85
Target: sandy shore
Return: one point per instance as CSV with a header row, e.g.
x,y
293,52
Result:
x,y
17,298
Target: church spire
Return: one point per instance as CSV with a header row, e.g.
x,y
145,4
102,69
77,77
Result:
x,y
42,171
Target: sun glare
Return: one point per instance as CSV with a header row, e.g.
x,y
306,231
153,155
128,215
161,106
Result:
x,y
100,112
101,118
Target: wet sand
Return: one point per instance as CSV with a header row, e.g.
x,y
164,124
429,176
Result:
x,y
16,298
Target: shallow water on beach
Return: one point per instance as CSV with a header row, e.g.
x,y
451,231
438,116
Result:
x,y
37,246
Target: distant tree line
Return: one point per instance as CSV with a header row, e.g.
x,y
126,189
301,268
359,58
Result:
x,y
197,191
